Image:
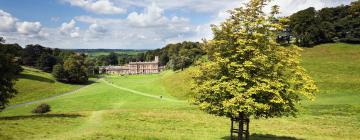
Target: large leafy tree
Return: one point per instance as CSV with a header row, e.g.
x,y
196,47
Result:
x,y
304,26
248,72
46,62
8,70
59,73
32,54
75,69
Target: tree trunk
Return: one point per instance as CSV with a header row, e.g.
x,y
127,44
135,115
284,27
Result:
x,y
243,127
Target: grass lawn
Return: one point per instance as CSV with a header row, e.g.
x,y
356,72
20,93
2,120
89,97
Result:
x,y
35,84
130,107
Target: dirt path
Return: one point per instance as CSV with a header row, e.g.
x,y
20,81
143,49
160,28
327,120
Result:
x,y
48,98
141,93
106,82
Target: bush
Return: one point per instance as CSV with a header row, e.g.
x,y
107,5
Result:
x,y
42,108
351,40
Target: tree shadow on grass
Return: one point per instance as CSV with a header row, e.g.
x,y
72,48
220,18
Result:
x,y
40,116
37,78
89,82
266,137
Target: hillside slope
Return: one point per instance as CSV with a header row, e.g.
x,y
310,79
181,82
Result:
x,y
178,83
144,107
33,84
336,70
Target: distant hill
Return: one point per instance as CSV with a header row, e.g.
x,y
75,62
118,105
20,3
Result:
x,y
98,52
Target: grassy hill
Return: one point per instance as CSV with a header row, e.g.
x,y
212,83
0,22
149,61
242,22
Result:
x,y
34,84
130,107
178,83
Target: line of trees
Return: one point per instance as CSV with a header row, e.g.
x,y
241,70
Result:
x,y
66,66
174,56
338,24
178,56
118,59
76,67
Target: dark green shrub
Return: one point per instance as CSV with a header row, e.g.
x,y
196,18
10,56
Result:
x,y
42,108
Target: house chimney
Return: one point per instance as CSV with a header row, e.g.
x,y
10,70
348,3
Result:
x,y
156,58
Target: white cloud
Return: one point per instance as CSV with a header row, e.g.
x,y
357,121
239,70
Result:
x,y
70,29
190,5
31,29
152,16
95,32
97,29
102,21
97,6
10,24
7,22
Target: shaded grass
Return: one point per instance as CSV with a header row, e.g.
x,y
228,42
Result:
x,y
40,116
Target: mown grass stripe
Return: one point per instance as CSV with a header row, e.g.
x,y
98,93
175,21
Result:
x,y
141,93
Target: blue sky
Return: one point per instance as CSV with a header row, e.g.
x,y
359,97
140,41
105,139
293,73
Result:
x,y
121,24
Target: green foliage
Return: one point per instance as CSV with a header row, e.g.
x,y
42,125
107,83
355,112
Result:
x,y
32,53
179,62
175,56
249,71
42,57
42,108
304,26
311,27
13,51
116,59
8,70
59,72
46,58
46,62
92,69
75,69
178,56
113,58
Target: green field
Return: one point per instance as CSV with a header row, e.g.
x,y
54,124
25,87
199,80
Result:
x,y
130,107
33,84
128,52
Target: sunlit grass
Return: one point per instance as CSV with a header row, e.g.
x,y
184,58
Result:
x,y
102,111
33,84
